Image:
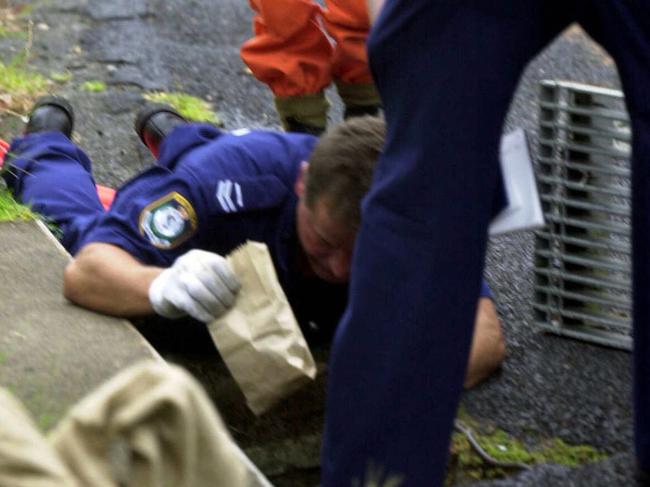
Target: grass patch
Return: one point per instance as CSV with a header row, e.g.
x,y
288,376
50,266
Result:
x,y
7,32
19,87
10,210
191,107
94,86
61,76
467,466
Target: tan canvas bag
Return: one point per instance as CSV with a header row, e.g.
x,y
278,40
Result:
x,y
150,426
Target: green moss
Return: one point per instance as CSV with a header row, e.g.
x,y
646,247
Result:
x,y
557,451
61,77
3,358
500,446
466,465
10,210
191,107
94,86
461,448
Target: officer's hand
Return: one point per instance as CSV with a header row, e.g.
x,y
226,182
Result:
x,y
199,283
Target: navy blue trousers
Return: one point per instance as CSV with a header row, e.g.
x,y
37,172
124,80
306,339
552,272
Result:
x,y
51,174
446,71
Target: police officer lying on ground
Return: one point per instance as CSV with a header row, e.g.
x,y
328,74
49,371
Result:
x,y
159,247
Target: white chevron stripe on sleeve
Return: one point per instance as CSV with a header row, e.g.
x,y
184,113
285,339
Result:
x,y
224,195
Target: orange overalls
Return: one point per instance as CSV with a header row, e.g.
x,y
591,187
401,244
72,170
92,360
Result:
x,y
300,47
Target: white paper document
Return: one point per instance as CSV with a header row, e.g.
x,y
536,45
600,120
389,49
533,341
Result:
x,y
523,210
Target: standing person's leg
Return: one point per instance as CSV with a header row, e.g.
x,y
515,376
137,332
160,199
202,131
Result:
x,y
47,171
623,28
348,23
292,55
446,71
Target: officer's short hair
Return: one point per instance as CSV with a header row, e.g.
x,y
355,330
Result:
x,y
342,164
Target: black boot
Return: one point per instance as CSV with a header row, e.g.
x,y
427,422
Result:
x,y
154,122
361,110
51,114
293,125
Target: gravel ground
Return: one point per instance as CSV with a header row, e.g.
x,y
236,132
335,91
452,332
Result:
x,y
548,387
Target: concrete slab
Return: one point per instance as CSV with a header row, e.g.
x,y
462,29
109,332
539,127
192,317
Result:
x,y
51,352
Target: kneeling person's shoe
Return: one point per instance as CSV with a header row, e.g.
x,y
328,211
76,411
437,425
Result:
x,y
51,114
154,122
361,110
293,125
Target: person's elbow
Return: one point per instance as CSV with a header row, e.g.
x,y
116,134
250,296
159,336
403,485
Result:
x,y
80,273
72,281
488,350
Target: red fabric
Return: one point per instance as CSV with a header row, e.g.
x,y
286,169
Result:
x,y
4,147
292,53
106,195
348,23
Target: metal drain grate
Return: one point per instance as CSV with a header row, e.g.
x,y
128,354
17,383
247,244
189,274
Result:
x,y
583,256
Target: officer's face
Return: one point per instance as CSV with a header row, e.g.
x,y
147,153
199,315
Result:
x,y
327,244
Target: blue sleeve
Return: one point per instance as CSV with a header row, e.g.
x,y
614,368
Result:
x,y
154,217
210,190
486,292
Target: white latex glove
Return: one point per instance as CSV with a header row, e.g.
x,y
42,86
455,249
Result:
x,y
199,283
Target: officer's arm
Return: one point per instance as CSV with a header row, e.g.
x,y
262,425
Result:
x,y
488,346
105,278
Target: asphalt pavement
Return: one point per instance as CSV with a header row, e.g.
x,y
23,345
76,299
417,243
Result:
x,y
548,387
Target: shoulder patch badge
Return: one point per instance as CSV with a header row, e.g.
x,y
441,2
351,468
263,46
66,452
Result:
x,y
168,221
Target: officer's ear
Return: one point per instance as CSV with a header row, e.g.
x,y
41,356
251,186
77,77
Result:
x,y
299,187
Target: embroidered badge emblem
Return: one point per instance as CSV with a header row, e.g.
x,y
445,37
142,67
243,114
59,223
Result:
x,y
168,221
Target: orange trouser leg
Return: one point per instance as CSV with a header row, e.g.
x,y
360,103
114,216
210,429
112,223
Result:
x,y
348,23
289,52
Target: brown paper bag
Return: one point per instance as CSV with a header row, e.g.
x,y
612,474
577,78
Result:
x,y
259,338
